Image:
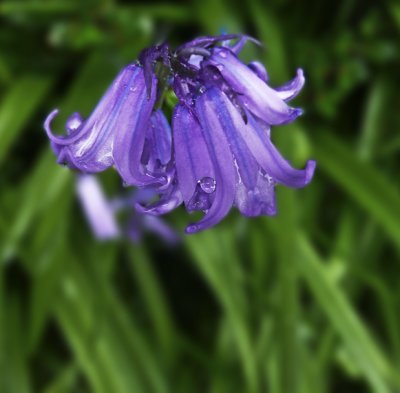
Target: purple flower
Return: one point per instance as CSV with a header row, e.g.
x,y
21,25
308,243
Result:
x,y
223,161
251,91
98,211
223,151
115,132
219,153
101,213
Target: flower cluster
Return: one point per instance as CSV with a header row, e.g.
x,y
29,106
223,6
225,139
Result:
x,y
219,152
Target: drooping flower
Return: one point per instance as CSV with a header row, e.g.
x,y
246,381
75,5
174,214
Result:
x,y
115,133
101,213
219,153
223,151
251,91
230,162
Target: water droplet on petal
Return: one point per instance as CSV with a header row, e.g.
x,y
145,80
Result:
x,y
222,54
202,89
208,184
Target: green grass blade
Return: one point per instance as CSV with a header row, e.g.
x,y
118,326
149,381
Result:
x,y
64,382
368,356
16,110
374,112
213,252
152,294
367,186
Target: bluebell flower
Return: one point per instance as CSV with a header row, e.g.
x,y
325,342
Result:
x,y
101,213
115,133
223,150
252,92
219,153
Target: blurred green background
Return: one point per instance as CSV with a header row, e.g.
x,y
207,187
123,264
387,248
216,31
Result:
x,y
308,301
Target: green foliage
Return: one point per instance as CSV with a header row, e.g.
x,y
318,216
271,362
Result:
x,y
306,302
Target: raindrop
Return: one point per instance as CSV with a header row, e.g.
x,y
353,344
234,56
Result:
x,y
207,184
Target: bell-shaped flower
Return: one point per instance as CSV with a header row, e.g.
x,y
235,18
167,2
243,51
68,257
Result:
x,y
115,132
101,213
249,84
223,161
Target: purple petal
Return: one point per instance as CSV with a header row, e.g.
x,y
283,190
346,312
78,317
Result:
x,y
238,46
130,137
195,60
254,190
98,211
168,201
257,201
207,41
148,58
264,128
72,133
270,160
160,228
221,158
161,137
192,159
254,94
231,120
291,89
89,146
182,90
157,146
142,196
259,69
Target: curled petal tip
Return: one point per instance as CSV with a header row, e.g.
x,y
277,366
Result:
x,y
294,113
75,121
292,88
291,115
48,121
52,114
310,169
298,112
